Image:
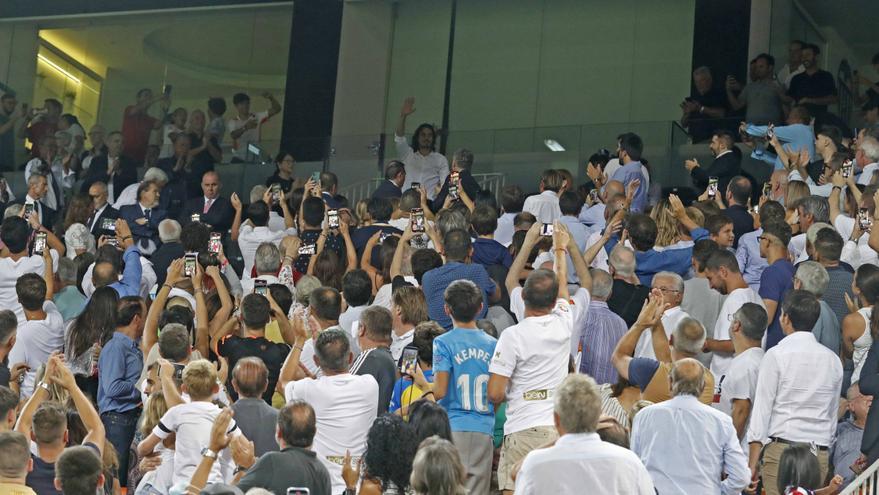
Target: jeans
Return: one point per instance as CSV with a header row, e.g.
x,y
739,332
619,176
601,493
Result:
x,y
120,428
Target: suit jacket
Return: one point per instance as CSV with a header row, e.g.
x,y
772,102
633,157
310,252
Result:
x,y
743,222
97,172
163,257
387,189
724,168
219,216
50,215
466,180
150,230
108,213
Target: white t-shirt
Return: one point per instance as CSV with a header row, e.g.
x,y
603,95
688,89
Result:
x,y
193,421
345,407
670,319
148,279
734,300
534,356
250,136
579,304
249,239
35,341
544,206
740,381
168,131
384,295
11,270
865,254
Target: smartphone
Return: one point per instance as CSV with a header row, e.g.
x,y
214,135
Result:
x,y
276,192
260,286
298,491
178,372
195,217
453,178
167,90
189,264
712,187
593,196
416,219
756,209
28,209
315,177
767,188
847,169
408,359
333,219
214,244
770,132
416,185
864,219
383,236
113,241
306,249
254,150
40,243
453,191
108,224
546,230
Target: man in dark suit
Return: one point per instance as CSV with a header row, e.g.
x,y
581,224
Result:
x,y
726,165
170,250
179,169
103,211
462,163
113,169
144,217
37,187
392,186
213,209
737,194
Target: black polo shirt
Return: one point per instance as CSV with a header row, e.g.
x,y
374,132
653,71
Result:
x,y
817,85
234,348
702,126
291,467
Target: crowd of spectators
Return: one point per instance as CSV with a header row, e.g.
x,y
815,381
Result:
x,y
160,336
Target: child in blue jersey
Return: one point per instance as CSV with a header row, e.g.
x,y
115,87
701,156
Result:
x,y
460,368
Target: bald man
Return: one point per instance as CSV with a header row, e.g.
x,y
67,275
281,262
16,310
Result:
x,y
254,416
102,212
212,209
685,445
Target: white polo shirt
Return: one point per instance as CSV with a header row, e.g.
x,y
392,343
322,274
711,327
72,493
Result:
x,y
11,270
345,407
670,319
534,356
35,341
249,239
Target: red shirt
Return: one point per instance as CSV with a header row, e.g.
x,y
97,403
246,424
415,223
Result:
x,y
136,130
36,131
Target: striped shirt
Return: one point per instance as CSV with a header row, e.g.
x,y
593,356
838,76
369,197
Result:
x,y
601,330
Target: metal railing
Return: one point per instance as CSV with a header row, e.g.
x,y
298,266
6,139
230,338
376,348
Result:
x,y
865,484
493,182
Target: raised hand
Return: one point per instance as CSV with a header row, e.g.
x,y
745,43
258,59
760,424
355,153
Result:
x,y
408,106
236,201
219,438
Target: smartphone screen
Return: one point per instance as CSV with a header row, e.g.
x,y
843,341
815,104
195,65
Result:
x,y
847,169
189,264
453,178
767,188
416,185
546,230
195,217
214,244
108,224
315,177
28,209
298,491
276,192
593,195
416,219
167,89
260,286
864,219
712,187
40,243
333,219
408,359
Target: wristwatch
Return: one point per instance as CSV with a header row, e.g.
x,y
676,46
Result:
x,y
239,469
206,452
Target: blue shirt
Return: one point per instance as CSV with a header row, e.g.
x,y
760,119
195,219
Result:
x,y
626,174
792,137
776,280
601,330
131,275
489,252
653,261
435,281
120,365
402,393
465,353
751,263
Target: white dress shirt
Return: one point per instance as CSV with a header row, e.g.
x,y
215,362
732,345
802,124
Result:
x,y
148,279
582,463
670,319
505,229
65,180
431,170
399,342
128,196
347,321
601,258
688,446
797,392
580,234
867,173
544,206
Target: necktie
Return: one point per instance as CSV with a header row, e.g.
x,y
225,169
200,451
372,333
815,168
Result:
x,y
207,205
91,220
146,214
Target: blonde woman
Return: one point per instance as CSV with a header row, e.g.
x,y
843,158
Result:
x,y
158,480
666,225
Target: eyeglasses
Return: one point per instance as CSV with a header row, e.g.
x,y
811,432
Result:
x,y
665,289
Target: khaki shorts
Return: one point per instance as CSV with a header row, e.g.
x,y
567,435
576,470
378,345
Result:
x,y
771,459
516,446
